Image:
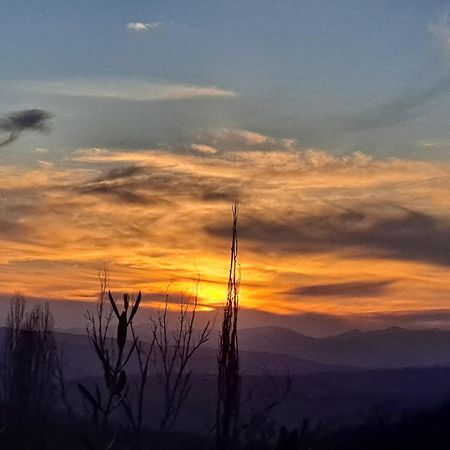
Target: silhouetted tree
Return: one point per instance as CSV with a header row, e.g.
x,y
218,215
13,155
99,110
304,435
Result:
x,y
174,350
28,364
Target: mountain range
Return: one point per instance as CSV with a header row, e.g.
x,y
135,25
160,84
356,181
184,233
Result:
x,y
278,350
388,348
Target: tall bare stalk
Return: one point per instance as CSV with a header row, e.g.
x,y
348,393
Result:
x,y
229,380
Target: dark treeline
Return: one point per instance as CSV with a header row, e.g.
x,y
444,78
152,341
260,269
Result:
x,y
139,408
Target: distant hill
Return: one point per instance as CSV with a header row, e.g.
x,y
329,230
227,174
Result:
x,y
389,348
79,360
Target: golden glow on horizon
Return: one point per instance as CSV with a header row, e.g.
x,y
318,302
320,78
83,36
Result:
x,y
149,214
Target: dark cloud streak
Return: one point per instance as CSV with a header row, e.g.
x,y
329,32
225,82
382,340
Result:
x,y
396,233
350,289
147,184
16,123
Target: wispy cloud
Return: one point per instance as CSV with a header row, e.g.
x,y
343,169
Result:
x,y
121,89
141,26
404,106
235,139
431,145
204,149
408,103
441,30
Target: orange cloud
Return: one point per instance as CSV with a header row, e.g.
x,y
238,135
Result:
x,y
319,232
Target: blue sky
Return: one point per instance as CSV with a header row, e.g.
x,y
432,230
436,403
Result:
x,y
321,72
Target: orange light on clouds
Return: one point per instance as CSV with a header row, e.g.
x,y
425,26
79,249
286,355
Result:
x,y
158,217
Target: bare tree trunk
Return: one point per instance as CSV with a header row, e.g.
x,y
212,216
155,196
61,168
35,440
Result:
x,y
134,407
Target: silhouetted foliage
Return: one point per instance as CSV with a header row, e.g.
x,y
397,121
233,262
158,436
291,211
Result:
x,y
113,355
28,367
288,440
259,427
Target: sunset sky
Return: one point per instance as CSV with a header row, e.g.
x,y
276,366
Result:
x,y
328,122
